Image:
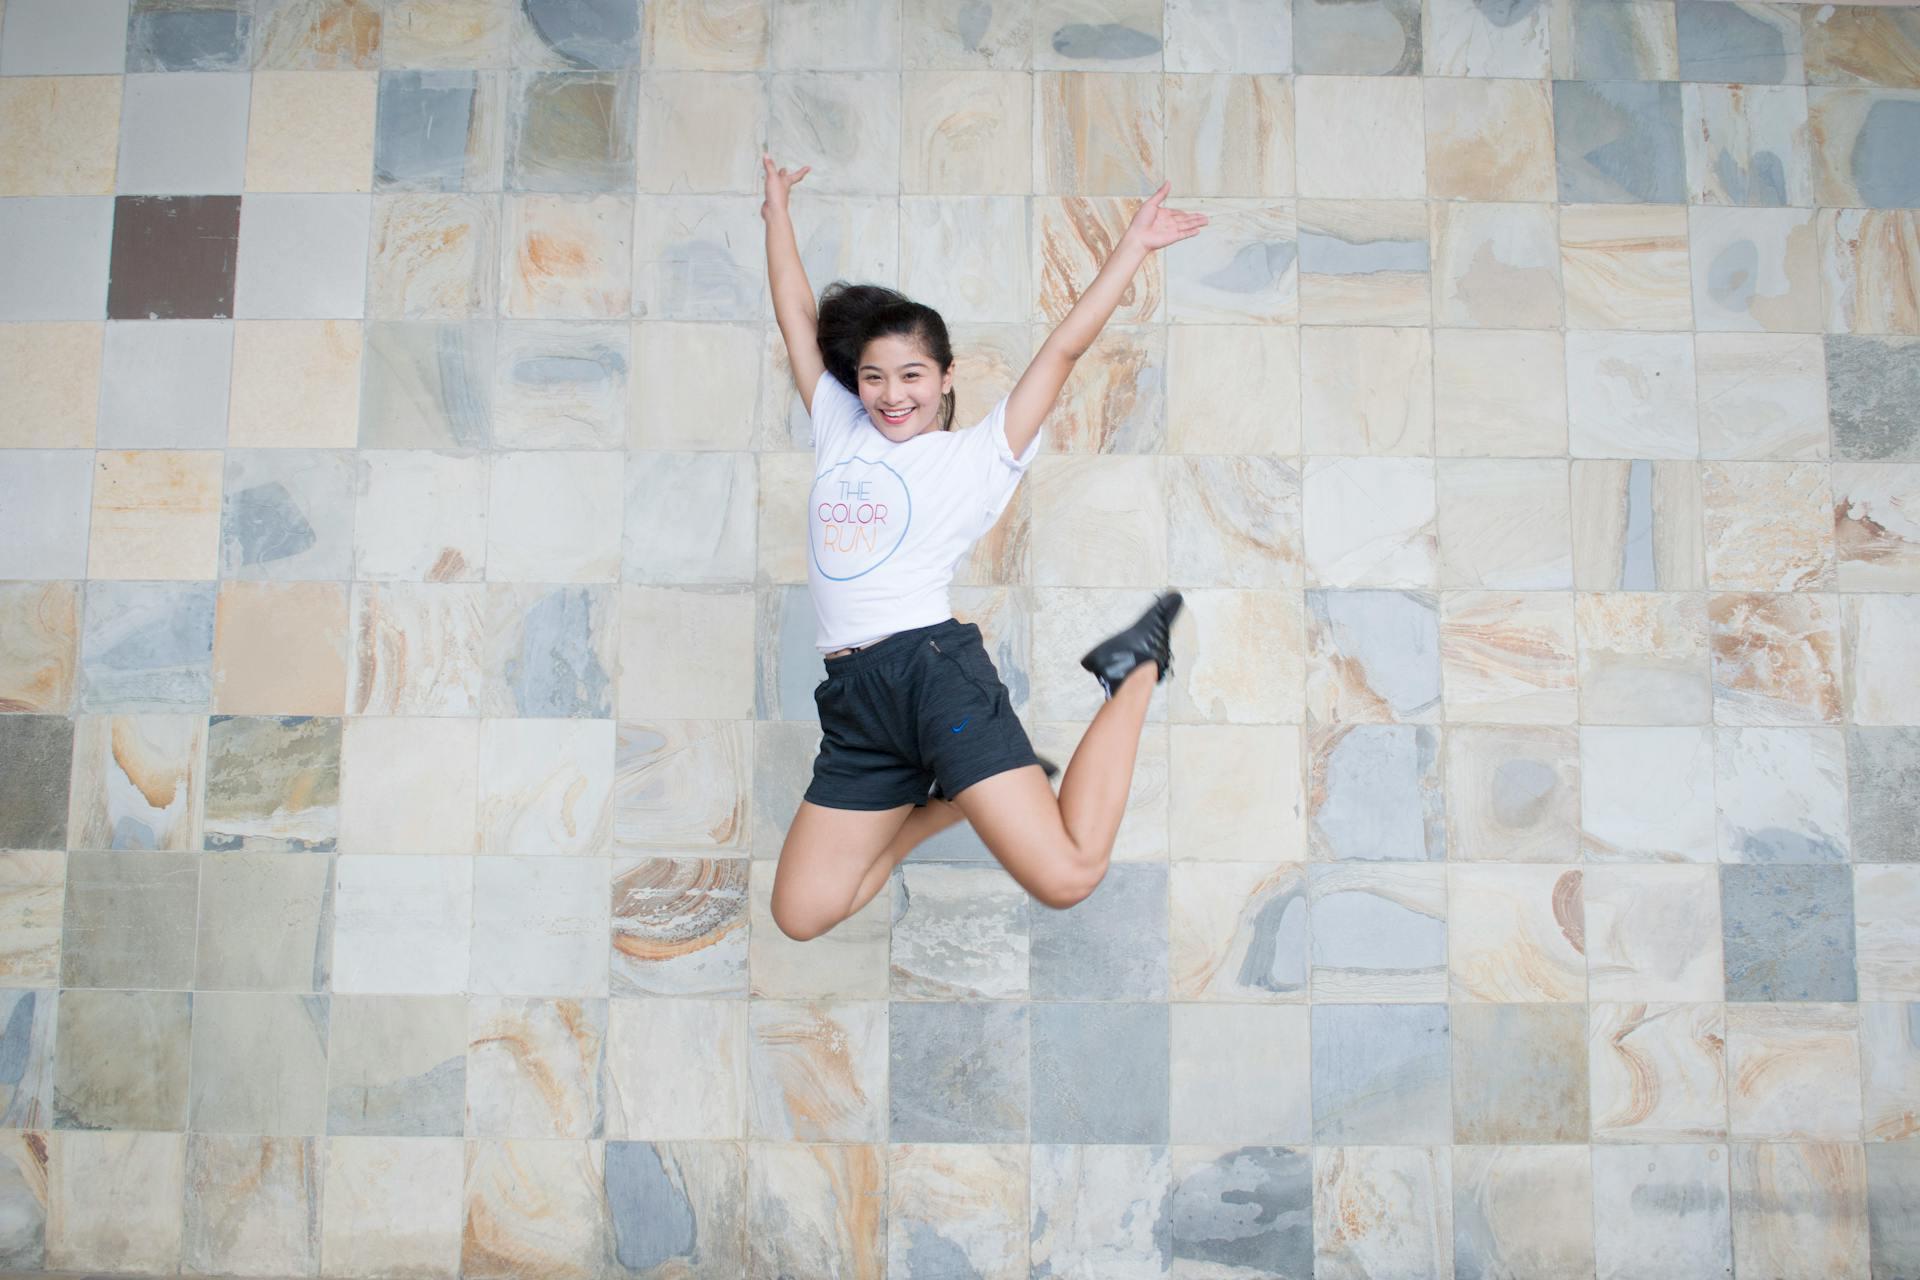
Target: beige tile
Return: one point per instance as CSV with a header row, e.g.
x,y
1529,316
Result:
x,y
143,1175
1776,659
1887,931
953,256
1660,498
39,646
1876,513
1499,393
59,135
1855,44
705,35
409,785
1072,237
1657,1071
433,257
1631,395
1098,521
1507,657
1883,681
1355,139
1249,659
1114,401
280,648
966,133
52,376
1626,266
1230,135
1233,389
296,384
420,516
568,258
311,131
1516,933
452,34
1870,268
1490,140
1793,1071
1643,658
700,131
1367,391
1097,133
156,514
1496,266
1505,522
1800,1209
686,653
687,390
1755,269
1237,793
1762,395
1363,262
1769,526
1653,933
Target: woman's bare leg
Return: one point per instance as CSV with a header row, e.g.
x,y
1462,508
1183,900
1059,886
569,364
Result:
x,y
922,824
1093,791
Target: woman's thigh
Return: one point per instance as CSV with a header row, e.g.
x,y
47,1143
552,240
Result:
x,y
824,861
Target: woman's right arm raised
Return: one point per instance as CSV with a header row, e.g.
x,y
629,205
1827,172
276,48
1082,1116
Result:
x,y
793,303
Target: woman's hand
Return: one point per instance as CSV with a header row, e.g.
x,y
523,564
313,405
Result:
x,y
1155,227
779,183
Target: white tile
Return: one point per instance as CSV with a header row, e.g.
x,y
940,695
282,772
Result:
x,y
184,133
164,384
53,258
303,257
64,38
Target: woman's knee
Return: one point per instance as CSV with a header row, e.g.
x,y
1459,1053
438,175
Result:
x,y
802,922
1068,887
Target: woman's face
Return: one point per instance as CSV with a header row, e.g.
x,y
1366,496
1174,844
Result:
x,y
901,386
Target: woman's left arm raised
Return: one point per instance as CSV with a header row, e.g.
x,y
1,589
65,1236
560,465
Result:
x,y
1153,227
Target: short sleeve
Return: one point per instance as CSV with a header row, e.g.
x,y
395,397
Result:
x,y
837,413
991,464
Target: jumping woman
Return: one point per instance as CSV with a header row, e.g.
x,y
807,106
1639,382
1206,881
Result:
x,y
917,731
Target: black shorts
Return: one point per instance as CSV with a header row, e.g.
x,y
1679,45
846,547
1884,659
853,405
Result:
x,y
920,705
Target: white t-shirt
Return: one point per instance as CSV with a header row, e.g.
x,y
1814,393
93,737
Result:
x,y
889,521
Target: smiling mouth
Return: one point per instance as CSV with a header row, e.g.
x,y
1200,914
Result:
x,y
896,419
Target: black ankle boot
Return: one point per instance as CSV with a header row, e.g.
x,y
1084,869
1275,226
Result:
x,y
1114,658
1047,767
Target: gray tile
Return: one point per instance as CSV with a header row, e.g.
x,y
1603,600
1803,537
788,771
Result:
x,y
676,1203
1100,1072
437,131
1739,43
184,134
959,933
129,920
38,751
590,34
1883,779
1893,1221
1872,386
189,35
120,1059
1376,793
273,783
426,386
572,131
1613,39
1386,642
1356,37
148,646
550,654
1788,932
45,505
958,1071
1881,161
1661,1210
303,257
1379,933
1247,1211
54,256
288,515
367,1097
64,38
1111,946
1381,1074
1619,142
164,384
1519,1073
787,664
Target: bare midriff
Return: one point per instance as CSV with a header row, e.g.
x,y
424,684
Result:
x,y
841,653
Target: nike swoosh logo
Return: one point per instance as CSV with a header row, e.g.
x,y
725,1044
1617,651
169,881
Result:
x,y
963,724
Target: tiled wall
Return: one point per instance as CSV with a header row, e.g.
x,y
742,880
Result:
x,y
406,657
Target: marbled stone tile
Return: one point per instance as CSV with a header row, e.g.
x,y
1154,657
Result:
x,y
420,517
1755,269
849,962
676,784
1374,793
1761,395
397,1066
62,135
686,265
259,1063
1499,393
1513,793
433,257
1646,794
954,1204
1112,946
701,35
572,131
1618,142
1883,683
173,258
1099,1072
1236,793
1380,1074
1886,903
55,263
1860,158
846,126
34,788
1382,1211
1800,1210
958,933
1508,657
1225,682
1352,142
427,386
1072,236
1653,933
445,33
1855,44
1781,794
311,132
1643,658
1518,1073
1747,144
1615,410
1243,271
127,920
1515,933
1235,132
1484,507
553,517
545,786
958,1072
602,34
1234,522
288,515
1625,266
305,258
1890,1071
1768,527
52,373
1100,1210
1362,262
31,1024
694,1186
1793,1072
1114,401
1522,1210
1893,1183
1370,522
1789,932
1743,42
1373,656
136,783
1614,40
1661,1211
423,947
439,131
142,1173
717,152
1870,266
164,384
1080,36
418,649
568,258
532,1067
1776,659
280,648
965,133
562,1232
409,783
1883,781
677,1068
273,784
679,927
1658,1072
1379,933
1240,1073
819,1070
189,35
1366,391
1870,384
1488,38
1242,1208
40,646
316,35
540,925
550,651
951,257
1237,931
1373,38
141,1086
148,646
1496,266
1489,139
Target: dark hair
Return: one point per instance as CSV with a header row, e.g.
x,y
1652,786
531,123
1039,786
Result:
x,y
852,315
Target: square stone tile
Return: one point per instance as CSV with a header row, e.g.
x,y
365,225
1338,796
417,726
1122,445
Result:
x,y
1776,659
550,652
860,36
1885,901
1508,657
1761,395
1868,382
1238,931
546,787
1380,1074
849,961
164,385
690,35
439,131
1513,793
40,646
1882,685
1868,289
427,385
1890,1070
365,1028
682,158
98,1089
657,902
1100,1210
807,111
401,619
1646,794
1361,262
1077,1051
664,674
1496,266
1211,1191
1483,504
409,783
1352,142
433,257
1386,412
148,646
1747,144
1373,656
1237,792
52,375
1793,1071
1108,947
288,515
446,33
311,131
316,35
60,135
1515,933
1064,37
553,517
1517,1073
959,932
53,258
1225,1084
571,131
281,648
1376,38
1755,269
286,1035
1621,40
174,257
1769,526
273,784
1369,522
184,133
683,784
1631,395
1379,933
1789,932
156,514
34,788
64,38
1744,43
1243,273
562,385
1653,933
1464,38
1893,1182
1409,1232
947,258
1658,1071
296,384
788,1101
602,34
303,257
377,954
1857,158
1374,793
1626,266
1237,131
1523,1210
136,782
190,35
1643,658
1618,142
1883,780
1499,393
1489,139
262,923
567,258
44,503
1782,795
1661,1210
1855,44
958,1072
1800,1209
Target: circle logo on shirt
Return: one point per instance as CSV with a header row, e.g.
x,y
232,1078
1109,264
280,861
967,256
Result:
x,y
859,515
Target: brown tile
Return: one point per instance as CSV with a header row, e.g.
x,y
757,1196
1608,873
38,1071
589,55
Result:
x,y
173,257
